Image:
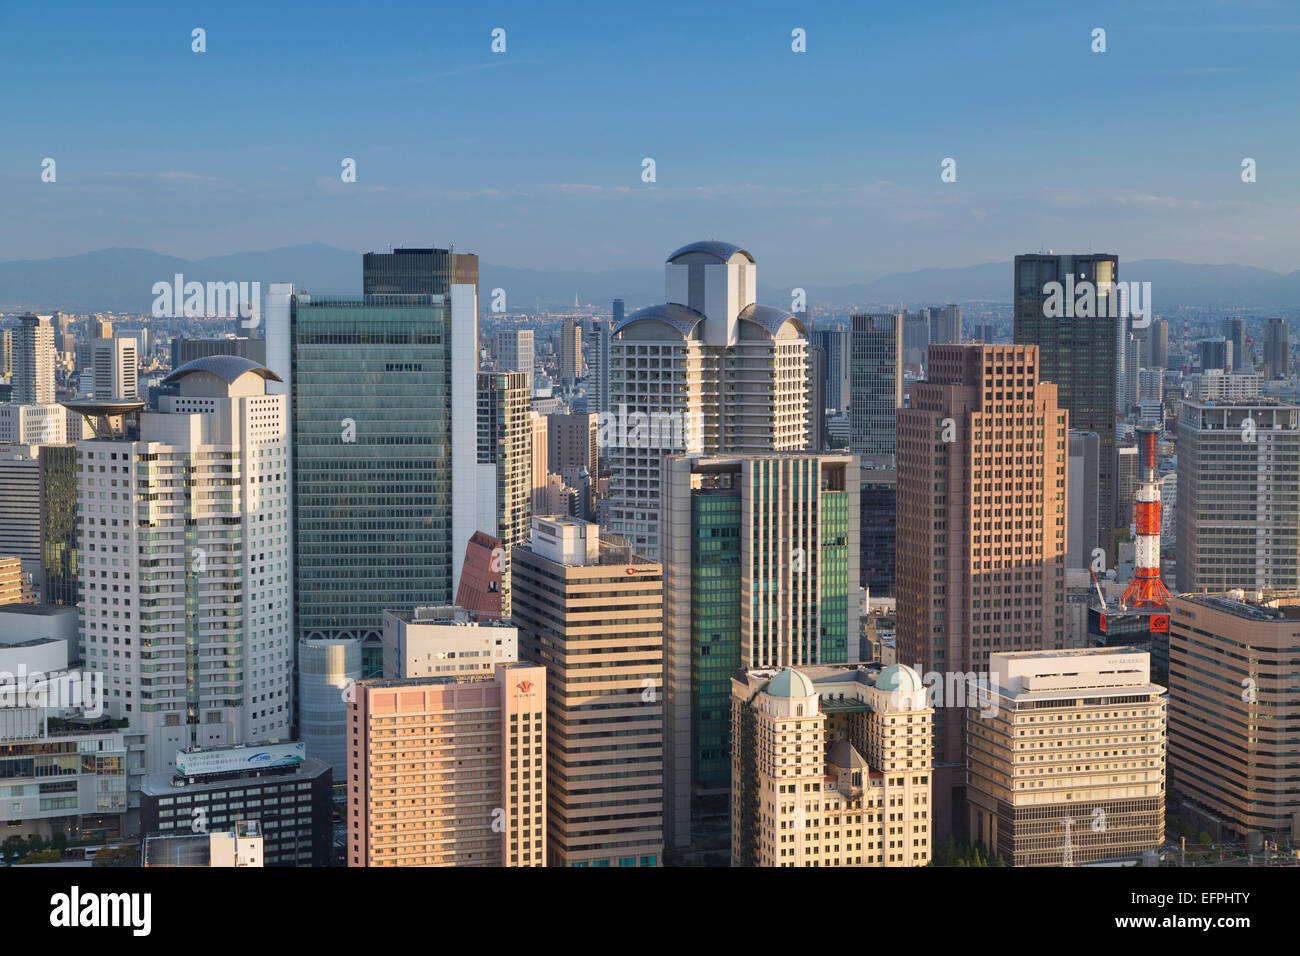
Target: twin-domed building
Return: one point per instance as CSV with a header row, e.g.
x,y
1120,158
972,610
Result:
x,y
830,767
713,371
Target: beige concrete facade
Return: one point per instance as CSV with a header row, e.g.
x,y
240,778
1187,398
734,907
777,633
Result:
x,y
1066,757
1233,707
830,767
592,612
448,772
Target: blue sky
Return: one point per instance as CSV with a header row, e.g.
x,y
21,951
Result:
x,y
825,164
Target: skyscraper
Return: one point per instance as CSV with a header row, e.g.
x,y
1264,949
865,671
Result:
x,y
476,746
598,364
58,466
384,445
540,426
837,343
877,383
515,351
1216,353
1232,703
1234,330
1081,508
116,366
761,558
708,372
1277,348
418,272
590,611
1078,354
1096,789
1238,517
192,552
1157,346
33,376
505,460
570,351
816,398
945,325
981,507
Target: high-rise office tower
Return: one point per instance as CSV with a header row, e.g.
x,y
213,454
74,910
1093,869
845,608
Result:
x,y
515,351
571,443
11,580
1216,353
58,467
1151,384
831,767
449,771
877,391
598,363
384,443
418,272
1132,368
6,352
116,365
916,336
878,500
1234,330
945,325
540,427
20,507
1126,482
1238,518
101,329
1078,353
761,559
983,517
1096,789
1277,348
1157,344
505,464
570,351
708,372
1081,500
185,547
33,361
837,343
590,611
816,398
1232,705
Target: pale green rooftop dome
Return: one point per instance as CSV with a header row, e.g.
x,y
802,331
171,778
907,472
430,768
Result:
x,y
790,683
899,677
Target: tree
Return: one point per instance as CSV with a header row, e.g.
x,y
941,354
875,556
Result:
x,y
118,856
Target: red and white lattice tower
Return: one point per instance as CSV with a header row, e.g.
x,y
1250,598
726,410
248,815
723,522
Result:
x,y
1146,588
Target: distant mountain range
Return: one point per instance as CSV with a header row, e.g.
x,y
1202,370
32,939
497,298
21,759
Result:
x,y
121,280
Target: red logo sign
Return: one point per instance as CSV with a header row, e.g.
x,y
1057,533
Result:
x,y
525,686
1159,623
1103,623
631,570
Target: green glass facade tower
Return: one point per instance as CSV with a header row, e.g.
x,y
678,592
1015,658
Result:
x,y
762,570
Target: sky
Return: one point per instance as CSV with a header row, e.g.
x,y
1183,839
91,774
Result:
x,y
825,164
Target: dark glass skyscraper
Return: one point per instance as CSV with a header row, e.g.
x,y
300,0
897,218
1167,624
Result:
x,y
1080,355
58,464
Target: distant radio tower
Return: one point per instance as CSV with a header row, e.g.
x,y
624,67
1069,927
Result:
x,y
575,300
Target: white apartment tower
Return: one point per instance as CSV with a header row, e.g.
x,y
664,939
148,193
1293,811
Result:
x,y
708,372
33,361
116,367
184,546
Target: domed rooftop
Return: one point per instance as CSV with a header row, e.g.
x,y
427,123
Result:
x,y
722,251
226,367
790,683
899,677
681,318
